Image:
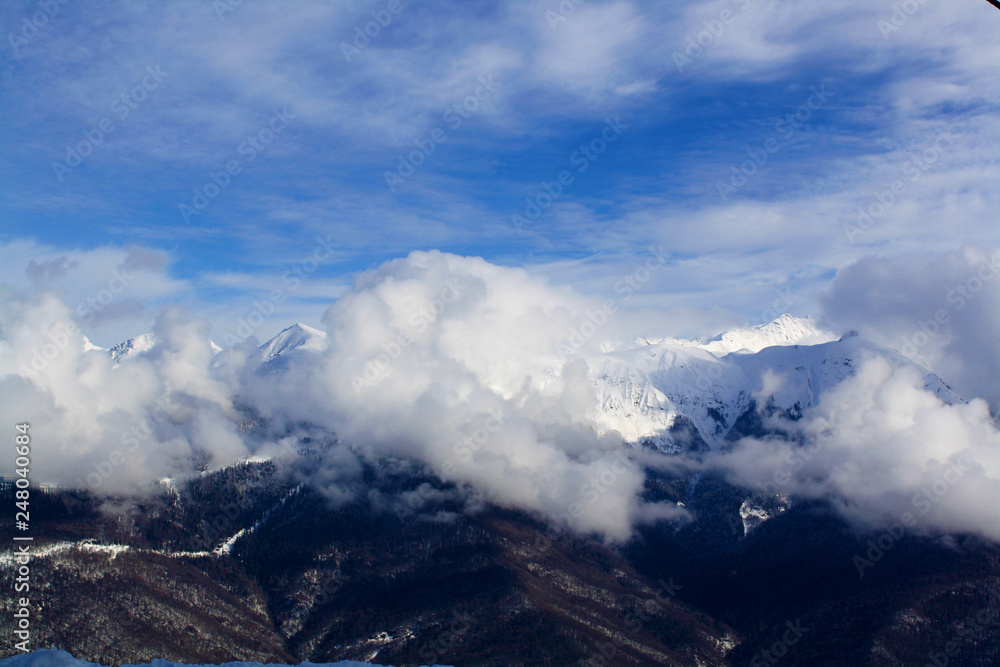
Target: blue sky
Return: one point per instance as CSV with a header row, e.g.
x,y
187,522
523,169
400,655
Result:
x,y
507,94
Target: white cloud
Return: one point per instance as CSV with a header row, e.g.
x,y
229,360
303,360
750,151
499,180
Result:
x,y
445,360
108,289
453,361
939,309
595,51
884,449
112,428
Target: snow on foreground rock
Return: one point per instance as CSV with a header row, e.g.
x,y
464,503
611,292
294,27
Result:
x,y
58,658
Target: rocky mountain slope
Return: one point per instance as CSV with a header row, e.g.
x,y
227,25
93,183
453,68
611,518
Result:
x,y
375,582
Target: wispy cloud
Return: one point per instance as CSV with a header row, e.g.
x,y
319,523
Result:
x,y
562,73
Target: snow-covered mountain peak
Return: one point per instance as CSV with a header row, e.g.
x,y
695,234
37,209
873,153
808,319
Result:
x,y
657,389
297,336
141,344
642,392
132,347
785,330
90,347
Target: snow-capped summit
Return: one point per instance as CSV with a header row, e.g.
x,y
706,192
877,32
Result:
x,y
141,344
786,330
90,347
643,391
657,388
132,347
297,336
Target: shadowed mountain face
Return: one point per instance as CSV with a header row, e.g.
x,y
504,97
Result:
x,y
306,581
245,563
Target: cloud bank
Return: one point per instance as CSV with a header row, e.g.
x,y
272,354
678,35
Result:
x,y
941,310
885,450
464,365
105,427
478,373
471,369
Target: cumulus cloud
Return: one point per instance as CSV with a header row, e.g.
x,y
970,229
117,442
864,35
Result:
x,y
108,288
48,269
941,310
884,449
463,365
105,427
475,374
472,371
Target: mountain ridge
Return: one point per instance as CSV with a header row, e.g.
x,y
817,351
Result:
x,y
642,390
